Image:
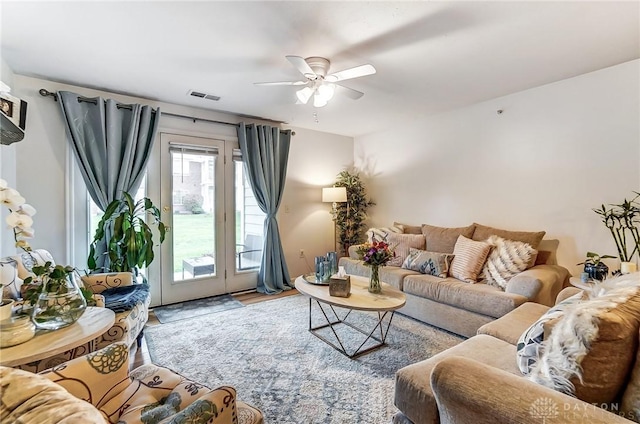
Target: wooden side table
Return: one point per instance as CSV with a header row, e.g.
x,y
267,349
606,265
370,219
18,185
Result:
x,y
46,344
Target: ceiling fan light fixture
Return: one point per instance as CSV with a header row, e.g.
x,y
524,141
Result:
x,y
304,94
326,91
319,100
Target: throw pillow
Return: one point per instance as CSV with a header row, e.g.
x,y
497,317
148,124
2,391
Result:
x,y
507,258
442,239
482,232
591,350
401,243
381,233
530,345
468,259
432,263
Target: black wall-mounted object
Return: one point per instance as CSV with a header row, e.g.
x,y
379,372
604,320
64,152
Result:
x,y
13,119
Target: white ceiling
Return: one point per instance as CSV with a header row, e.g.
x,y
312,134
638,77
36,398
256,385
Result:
x,y
430,56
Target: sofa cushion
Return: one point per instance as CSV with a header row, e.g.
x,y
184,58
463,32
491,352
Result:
x,y
443,239
631,396
506,259
413,394
432,263
31,398
577,358
469,258
529,345
480,298
547,252
510,326
483,232
401,243
409,229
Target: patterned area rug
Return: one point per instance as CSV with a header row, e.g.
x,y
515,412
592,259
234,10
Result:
x,y
194,308
266,352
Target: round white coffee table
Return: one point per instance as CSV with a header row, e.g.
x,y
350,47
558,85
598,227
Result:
x,y
93,323
385,304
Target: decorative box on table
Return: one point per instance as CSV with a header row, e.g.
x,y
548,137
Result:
x,y
340,286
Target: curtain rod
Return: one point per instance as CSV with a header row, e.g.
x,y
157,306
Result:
x,y
46,93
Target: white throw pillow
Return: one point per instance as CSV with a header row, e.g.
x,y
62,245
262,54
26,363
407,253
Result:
x,y
507,259
380,234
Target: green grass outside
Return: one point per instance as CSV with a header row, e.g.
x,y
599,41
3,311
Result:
x,y
193,236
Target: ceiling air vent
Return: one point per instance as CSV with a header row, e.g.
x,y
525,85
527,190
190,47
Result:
x,y
203,95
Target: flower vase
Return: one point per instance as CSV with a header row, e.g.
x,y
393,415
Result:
x,y
374,280
60,308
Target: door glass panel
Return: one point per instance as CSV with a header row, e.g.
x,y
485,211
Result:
x,y
249,220
193,188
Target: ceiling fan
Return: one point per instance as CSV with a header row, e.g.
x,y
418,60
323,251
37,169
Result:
x,y
319,83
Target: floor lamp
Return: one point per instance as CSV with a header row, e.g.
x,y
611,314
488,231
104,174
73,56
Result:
x,y
334,195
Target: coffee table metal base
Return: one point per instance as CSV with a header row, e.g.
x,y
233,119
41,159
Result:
x,y
384,329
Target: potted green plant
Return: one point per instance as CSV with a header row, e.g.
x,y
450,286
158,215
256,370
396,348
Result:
x,y
623,222
128,237
594,267
56,299
351,215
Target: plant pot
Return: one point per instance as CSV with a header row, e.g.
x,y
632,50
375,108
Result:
x,y
628,267
597,271
55,310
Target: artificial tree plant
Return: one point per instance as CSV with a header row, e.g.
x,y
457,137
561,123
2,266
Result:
x,y
128,237
351,215
623,222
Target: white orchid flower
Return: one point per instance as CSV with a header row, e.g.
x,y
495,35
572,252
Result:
x,y
27,232
19,220
27,209
3,184
11,198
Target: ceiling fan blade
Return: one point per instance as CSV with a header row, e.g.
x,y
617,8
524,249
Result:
x,y
349,92
302,66
358,71
282,83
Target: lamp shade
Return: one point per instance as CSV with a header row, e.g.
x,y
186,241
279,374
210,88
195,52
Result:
x,y
334,194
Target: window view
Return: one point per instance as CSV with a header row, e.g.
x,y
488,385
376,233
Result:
x,y
249,223
193,227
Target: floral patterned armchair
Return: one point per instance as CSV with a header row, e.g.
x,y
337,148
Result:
x,y
128,324
148,394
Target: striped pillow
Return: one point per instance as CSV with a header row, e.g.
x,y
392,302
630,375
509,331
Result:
x,y
468,260
401,243
507,259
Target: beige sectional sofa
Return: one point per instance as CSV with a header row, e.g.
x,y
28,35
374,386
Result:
x,y
459,306
479,381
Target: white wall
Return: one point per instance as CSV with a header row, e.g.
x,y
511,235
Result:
x,y
315,159
43,161
556,152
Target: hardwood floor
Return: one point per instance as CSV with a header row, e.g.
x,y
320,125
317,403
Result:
x,y
141,356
